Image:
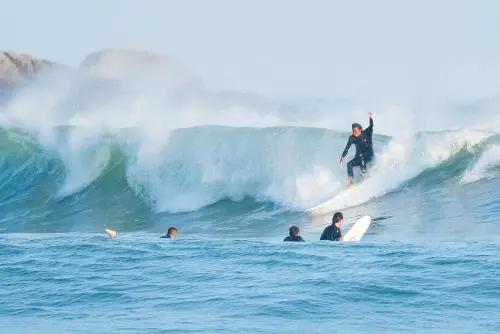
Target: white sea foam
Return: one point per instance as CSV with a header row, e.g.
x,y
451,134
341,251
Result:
x,y
486,167
179,171
402,159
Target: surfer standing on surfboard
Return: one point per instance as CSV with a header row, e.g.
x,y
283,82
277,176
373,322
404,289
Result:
x,y
362,139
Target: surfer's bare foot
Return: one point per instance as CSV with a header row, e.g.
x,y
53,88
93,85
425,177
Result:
x,y
112,233
350,182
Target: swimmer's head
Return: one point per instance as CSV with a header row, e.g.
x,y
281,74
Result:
x,y
294,231
172,233
338,219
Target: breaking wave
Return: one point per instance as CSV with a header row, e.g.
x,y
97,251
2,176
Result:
x,y
129,135
292,167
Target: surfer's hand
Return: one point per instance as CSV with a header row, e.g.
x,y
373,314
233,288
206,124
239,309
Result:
x,y
341,161
370,115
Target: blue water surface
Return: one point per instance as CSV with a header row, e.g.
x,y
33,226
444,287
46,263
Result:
x,y
86,283
430,262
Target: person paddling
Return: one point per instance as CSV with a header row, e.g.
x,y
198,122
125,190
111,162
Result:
x,y
294,235
171,233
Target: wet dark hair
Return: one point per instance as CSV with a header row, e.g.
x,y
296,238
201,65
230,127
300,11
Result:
x,y
357,125
170,230
294,230
337,217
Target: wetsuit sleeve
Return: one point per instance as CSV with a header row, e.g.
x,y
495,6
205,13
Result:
x,y
369,129
349,143
324,235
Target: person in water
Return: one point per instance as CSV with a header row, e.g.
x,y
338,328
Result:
x,y
362,140
294,235
332,232
171,233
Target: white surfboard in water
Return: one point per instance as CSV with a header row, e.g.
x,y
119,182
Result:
x,y
358,230
111,233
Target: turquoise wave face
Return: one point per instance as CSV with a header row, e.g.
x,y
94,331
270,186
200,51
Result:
x,y
230,180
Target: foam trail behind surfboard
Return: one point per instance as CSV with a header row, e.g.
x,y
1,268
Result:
x,y
333,203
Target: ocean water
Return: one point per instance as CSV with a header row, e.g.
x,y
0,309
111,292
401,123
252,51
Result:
x,y
88,284
429,263
90,150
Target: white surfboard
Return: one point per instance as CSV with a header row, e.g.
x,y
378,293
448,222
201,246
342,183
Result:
x,y
111,233
358,230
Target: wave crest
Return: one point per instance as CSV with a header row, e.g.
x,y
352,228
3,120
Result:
x,y
486,167
195,167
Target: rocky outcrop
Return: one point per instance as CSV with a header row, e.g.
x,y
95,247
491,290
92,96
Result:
x,y
141,67
16,68
111,70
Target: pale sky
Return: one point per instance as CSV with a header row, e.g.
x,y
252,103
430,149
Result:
x,y
285,48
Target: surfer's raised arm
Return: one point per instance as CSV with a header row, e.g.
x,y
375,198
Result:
x,y
369,129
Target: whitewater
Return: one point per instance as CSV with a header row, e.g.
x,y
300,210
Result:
x,y
136,143
291,168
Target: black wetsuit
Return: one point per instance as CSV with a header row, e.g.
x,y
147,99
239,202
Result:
x,y
364,149
331,233
294,238
166,236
